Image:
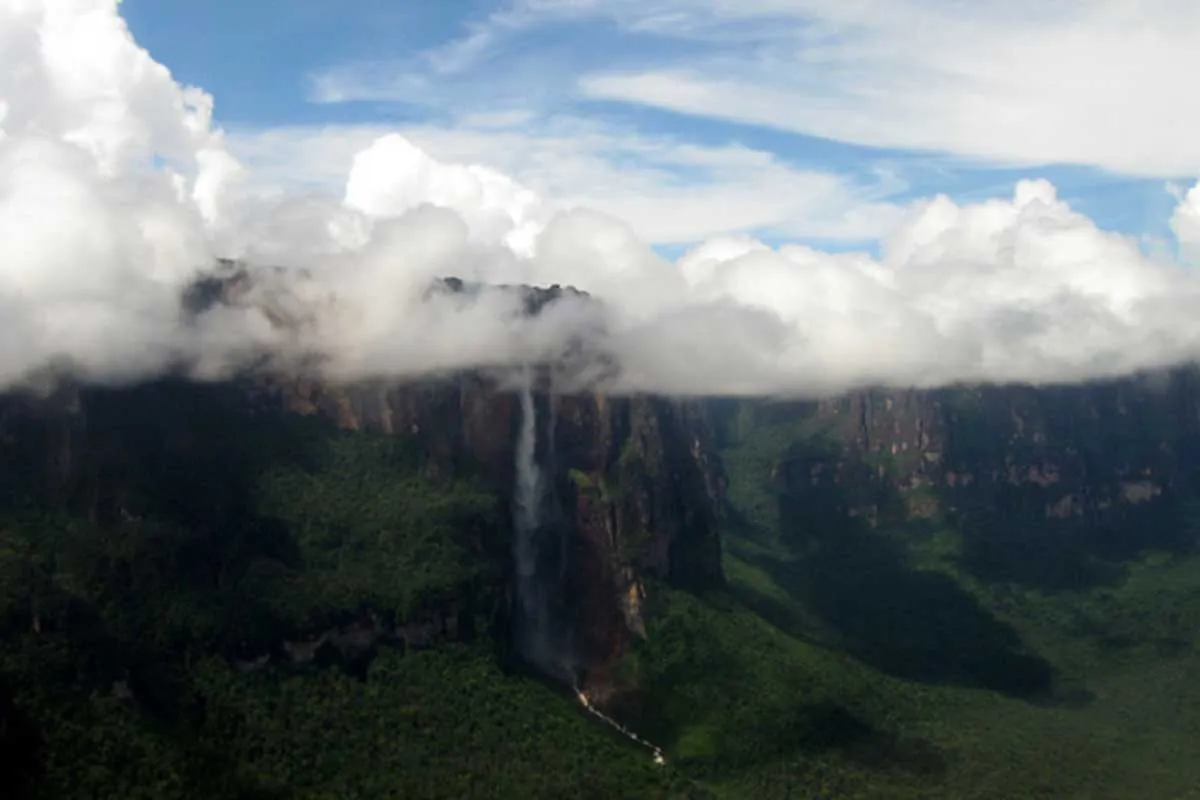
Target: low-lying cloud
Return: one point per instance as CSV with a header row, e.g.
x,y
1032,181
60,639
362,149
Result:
x,y
116,190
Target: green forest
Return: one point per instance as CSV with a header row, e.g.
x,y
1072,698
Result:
x,y
851,661
132,659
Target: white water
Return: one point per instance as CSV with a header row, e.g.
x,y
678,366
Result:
x,y
533,634
529,475
659,756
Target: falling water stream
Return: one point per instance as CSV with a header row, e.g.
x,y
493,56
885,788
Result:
x,y
533,630
535,635
659,756
529,476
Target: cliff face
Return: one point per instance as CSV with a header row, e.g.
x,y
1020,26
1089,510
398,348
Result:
x,y
1029,474
631,489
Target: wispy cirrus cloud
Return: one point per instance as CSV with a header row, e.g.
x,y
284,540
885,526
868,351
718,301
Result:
x,y
669,190
1087,82
1092,83
506,94
950,96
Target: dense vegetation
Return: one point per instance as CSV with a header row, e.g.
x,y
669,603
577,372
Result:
x,y
146,611
885,664
161,615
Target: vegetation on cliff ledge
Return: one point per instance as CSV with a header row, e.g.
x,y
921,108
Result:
x,y
861,656
216,600
162,619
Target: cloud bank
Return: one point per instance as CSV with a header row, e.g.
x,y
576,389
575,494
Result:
x,y
116,190
671,191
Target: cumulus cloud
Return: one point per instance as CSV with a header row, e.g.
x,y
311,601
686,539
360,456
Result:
x,y
116,191
672,192
92,239
1185,222
393,176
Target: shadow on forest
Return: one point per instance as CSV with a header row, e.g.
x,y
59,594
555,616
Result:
x,y
21,749
1089,446
139,507
1004,542
914,624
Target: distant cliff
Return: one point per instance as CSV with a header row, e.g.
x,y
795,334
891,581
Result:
x,y
1046,484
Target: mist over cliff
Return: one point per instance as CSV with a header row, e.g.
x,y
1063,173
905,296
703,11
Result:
x,y
117,188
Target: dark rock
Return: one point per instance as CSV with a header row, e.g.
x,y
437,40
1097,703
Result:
x,y
1047,483
651,509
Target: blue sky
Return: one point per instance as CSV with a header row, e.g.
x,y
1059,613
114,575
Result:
x,y
817,119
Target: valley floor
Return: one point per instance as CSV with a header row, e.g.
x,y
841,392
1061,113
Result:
x,y
851,661
906,675
1128,730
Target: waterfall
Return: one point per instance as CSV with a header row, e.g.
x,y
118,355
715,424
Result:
x,y
534,634
537,639
529,475
660,757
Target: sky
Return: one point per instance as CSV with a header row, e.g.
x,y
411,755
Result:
x,y
850,107
762,196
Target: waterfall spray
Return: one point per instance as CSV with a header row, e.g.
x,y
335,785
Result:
x,y
534,640
529,476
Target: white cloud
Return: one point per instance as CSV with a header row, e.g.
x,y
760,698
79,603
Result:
x,y
670,191
382,81
1092,82
93,242
510,118
302,158
97,239
1021,290
393,176
1185,222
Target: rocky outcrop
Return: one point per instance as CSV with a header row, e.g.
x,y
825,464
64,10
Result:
x,y
1100,468
635,488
